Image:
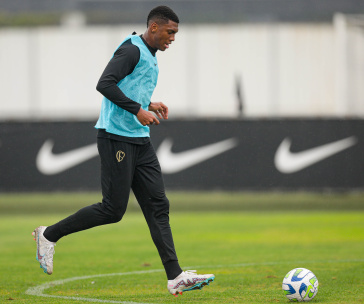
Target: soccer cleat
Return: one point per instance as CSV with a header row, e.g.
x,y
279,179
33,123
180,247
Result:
x,y
45,250
187,281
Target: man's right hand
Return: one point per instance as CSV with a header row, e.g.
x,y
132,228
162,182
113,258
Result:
x,y
146,118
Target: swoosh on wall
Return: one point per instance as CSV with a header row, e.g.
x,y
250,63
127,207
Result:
x,y
176,162
288,162
49,163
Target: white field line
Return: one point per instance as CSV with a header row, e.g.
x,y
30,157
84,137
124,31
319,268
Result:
x,y
38,290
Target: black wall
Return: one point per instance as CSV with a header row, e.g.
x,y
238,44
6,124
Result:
x,y
247,165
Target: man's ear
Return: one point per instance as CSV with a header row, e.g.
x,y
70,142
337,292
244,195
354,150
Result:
x,y
154,27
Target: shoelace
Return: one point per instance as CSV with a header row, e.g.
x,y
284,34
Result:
x,y
191,272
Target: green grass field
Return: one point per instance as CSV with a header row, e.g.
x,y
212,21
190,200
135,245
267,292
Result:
x,y
248,240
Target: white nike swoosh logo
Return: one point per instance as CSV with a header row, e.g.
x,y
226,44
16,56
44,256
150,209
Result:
x,y
49,163
288,162
176,162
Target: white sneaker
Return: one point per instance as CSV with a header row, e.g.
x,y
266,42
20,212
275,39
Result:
x,y
189,280
45,250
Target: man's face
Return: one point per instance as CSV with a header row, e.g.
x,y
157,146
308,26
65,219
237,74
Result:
x,y
164,34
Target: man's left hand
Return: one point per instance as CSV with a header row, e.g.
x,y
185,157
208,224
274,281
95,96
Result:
x,y
160,109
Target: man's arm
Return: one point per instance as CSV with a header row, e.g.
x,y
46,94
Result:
x,y
121,65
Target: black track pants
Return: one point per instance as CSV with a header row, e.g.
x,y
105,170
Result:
x,y
125,166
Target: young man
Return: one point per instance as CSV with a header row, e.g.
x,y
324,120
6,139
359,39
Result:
x,y
128,159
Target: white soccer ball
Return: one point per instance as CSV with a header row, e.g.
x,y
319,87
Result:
x,y
300,285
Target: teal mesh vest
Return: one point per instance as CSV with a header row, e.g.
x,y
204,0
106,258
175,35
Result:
x,y
138,86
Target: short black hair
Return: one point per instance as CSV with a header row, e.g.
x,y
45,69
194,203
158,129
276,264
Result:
x,y
162,13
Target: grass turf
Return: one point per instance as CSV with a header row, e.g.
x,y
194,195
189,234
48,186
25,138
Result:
x,y
54,203
249,251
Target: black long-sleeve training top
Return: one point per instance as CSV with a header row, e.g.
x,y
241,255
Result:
x,y
123,63
125,58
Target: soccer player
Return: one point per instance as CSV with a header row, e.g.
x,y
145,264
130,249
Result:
x,y
128,159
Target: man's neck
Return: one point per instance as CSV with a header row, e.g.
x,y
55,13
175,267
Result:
x,y
151,49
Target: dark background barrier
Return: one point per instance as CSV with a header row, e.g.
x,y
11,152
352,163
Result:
x,y
243,157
